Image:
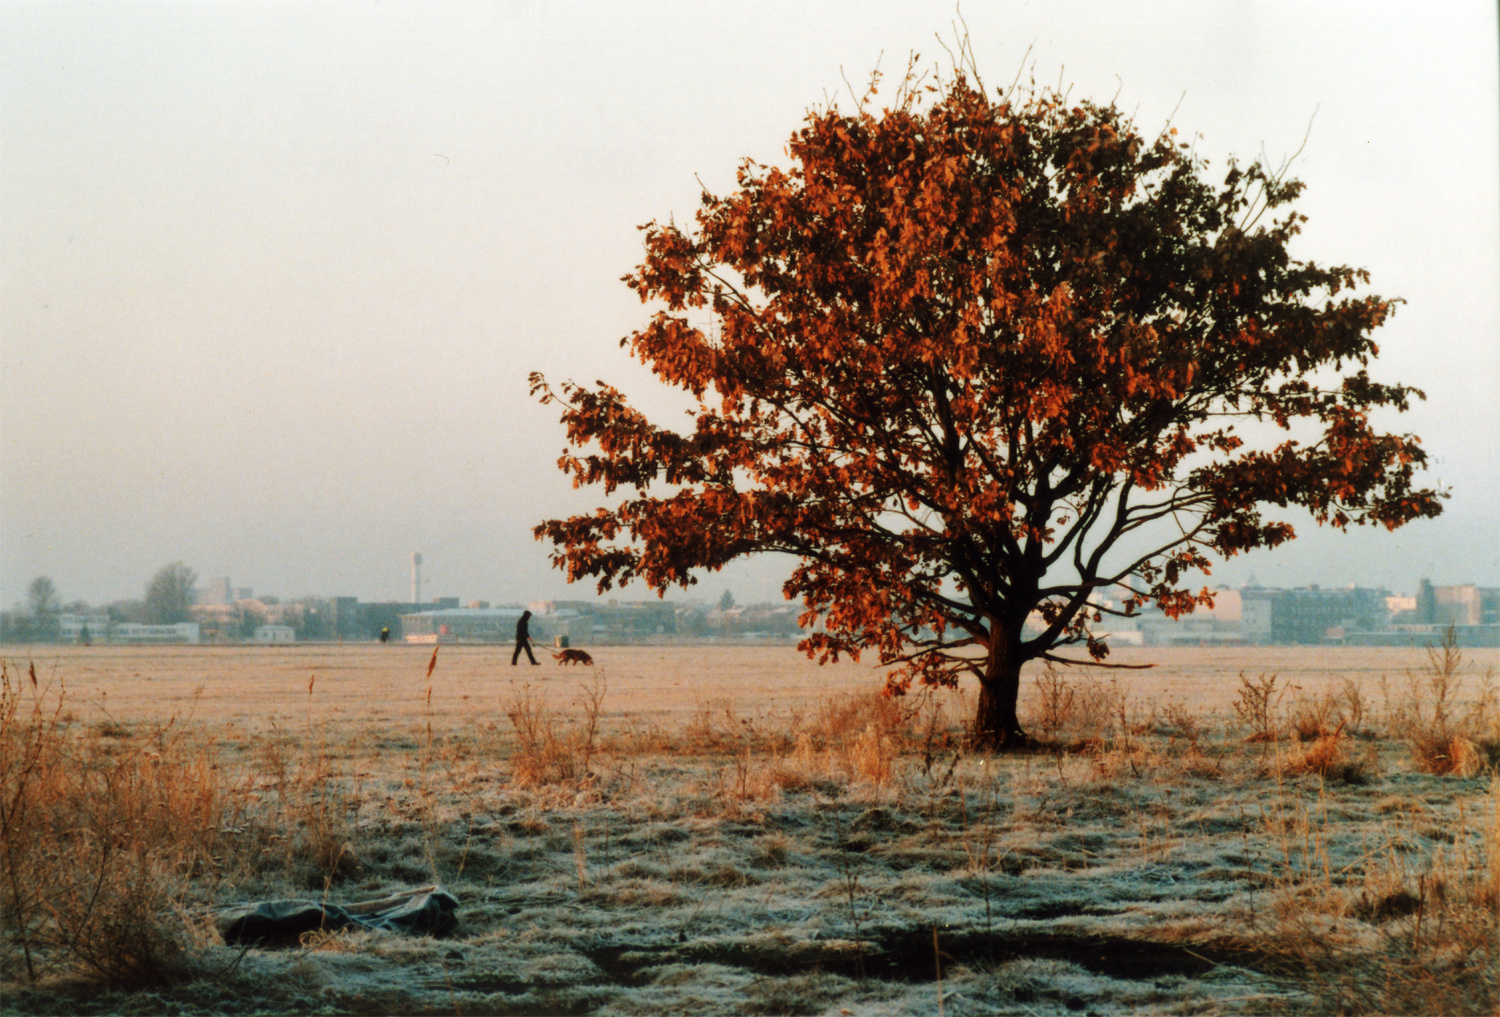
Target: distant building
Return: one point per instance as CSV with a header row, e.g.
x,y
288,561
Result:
x,y
220,592
582,623
617,622
1471,612
1466,604
1311,615
1255,615
275,634
467,625
217,593
366,620
134,632
1401,609
1220,625
83,628
97,628
344,621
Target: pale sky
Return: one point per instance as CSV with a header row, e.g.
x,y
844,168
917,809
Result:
x,y
274,274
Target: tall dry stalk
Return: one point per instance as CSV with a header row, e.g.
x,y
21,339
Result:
x,y
305,828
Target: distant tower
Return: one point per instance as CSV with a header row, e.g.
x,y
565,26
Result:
x,y
416,578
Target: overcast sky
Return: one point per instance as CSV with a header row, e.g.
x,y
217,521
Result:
x,y
274,274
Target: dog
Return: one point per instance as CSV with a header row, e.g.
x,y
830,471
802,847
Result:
x,y
573,657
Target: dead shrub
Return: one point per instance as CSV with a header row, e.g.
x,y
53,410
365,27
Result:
x,y
1457,755
97,841
1120,759
319,849
1194,763
872,755
637,736
1177,723
1102,710
1447,716
842,720
544,751
798,772
303,824
1256,706
1078,711
1055,700
1321,714
702,734
715,729
858,737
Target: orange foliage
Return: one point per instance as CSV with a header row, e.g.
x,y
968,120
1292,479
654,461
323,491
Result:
x,y
977,359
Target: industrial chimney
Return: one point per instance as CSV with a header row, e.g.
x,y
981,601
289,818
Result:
x,y
416,579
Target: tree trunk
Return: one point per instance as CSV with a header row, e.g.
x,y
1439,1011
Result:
x,y
995,724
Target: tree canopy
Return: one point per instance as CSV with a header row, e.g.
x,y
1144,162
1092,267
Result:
x,y
170,594
41,596
978,358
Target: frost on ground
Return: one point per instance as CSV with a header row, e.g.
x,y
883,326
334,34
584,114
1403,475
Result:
x,y
864,864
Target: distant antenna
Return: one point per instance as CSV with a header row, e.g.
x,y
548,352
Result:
x,y
416,578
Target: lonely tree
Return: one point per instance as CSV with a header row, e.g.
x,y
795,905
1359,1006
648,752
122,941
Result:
x,y
991,368
169,595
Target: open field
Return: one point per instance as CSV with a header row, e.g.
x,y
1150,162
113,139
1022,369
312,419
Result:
x,y
732,829
359,685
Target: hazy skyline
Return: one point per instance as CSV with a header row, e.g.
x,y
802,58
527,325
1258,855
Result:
x,y
272,276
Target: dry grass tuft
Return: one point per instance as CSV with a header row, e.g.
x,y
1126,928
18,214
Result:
x,y
857,737
842,720
1448,716
1328,757
303,826
1323,714
872,755
1055,703
107,833
550,750
97,841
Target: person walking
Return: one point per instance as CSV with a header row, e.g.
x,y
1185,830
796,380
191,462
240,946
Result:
x,y
523,639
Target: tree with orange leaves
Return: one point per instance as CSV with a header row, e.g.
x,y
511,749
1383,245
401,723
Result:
x,y
991,367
